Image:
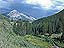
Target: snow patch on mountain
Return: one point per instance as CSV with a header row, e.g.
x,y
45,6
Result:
x,y
15,15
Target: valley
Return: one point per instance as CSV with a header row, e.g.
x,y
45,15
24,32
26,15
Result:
x,y
46,32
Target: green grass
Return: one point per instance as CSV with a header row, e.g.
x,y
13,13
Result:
x,y
8,39
37,41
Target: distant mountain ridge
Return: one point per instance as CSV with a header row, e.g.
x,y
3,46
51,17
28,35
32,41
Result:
x,y
15,15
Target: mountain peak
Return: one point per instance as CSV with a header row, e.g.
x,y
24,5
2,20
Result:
x,y
15,15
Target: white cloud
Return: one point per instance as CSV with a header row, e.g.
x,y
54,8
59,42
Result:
x,y
60,0
58,4
4,4
36,7
59,8
42,3
46,4
10,1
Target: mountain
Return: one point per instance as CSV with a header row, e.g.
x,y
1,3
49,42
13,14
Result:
x,y
22,34
8,38
51,24
15,15
48,26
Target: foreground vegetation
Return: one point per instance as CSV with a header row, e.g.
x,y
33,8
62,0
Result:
x,y
8,38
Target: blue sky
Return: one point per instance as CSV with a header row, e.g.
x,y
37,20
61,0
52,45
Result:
x,y
35,8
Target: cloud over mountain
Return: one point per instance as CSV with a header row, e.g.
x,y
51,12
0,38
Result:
x,y
36,7
47,4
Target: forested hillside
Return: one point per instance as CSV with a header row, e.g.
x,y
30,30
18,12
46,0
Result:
x,y
51,24
46,32
8,38
47,25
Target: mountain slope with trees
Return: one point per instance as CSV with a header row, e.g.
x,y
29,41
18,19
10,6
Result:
x,y
51,24
9,39
42,33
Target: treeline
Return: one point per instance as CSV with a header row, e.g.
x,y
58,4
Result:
x,y
49,25
22,27
53,24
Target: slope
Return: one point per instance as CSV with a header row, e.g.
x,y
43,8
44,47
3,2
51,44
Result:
x,y
8,39
51,24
